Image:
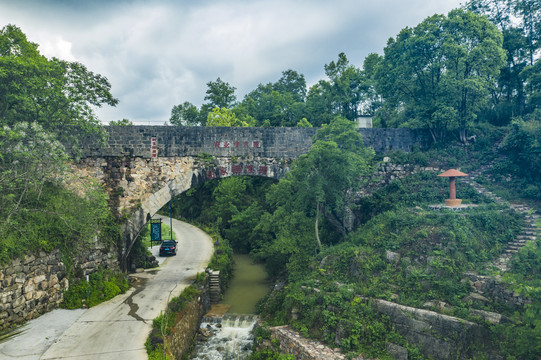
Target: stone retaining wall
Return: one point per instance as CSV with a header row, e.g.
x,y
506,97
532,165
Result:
x,y
438,336
388,171
35,284
184,331
291,342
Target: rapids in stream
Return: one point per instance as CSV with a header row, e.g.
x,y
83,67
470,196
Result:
x,y
230,337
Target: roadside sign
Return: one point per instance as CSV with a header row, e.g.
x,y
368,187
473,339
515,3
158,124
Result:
x,y
155,230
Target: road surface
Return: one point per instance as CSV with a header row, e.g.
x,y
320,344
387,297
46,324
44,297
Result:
x,y
118,328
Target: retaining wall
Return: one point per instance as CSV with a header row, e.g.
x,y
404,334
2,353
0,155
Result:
x,y
35,284
184,331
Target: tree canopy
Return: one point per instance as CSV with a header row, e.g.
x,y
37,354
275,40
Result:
x,y
46,105
58,95
439,74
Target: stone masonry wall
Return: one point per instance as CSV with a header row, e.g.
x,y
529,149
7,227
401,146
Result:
x,y
291,342
439,336
187,323
35,284
136,141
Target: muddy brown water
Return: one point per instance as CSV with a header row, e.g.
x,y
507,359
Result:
x,y
248,286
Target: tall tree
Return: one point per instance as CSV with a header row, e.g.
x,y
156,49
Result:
x,y
346,87
292,83
532,75
58,95
520,23
186,114
220,94
529,12
440,73
280,103
318,188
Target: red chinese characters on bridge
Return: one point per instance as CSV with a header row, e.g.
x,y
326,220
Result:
x,y
237,169
226,144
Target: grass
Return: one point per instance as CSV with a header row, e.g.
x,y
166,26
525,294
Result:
x,y
165,234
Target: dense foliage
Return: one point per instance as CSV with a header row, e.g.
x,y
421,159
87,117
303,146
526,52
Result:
x,y
45,105
401,252
439,74
56,94
522,145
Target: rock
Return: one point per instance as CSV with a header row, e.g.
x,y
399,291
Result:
x,y
392,257
474,297
491,317
205,333
396,351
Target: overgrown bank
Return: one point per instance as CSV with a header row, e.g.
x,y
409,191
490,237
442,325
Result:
x,y
329,278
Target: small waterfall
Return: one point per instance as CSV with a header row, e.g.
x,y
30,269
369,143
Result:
x,y
230,338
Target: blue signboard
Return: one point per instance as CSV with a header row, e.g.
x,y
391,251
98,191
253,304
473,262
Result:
x,y
156,231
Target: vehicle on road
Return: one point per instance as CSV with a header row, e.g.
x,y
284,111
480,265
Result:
x,y
168,247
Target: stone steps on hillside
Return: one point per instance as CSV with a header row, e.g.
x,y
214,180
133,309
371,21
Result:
x,y
529,231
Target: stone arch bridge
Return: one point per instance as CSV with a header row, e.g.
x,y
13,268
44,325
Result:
x,y
144,167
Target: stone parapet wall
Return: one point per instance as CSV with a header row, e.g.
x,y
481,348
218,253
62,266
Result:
x,y
35,284
136,141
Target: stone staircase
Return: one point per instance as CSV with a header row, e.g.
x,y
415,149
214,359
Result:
x,y
214,286
529,231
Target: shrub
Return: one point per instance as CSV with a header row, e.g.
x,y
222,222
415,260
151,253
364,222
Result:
x,y
102,286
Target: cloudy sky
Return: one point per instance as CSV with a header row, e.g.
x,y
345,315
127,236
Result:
x,y
159,53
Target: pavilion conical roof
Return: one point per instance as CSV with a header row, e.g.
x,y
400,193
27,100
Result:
x,y
452,173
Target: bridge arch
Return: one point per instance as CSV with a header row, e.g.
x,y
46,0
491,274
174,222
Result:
x,y
139,187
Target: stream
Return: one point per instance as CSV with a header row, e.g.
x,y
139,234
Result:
x,y
231,336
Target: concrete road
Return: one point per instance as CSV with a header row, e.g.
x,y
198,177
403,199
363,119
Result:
x,y
118,329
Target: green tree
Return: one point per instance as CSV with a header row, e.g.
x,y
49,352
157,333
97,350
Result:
x,y
46,105
439,74
523,146
123,122
318,187
292,83
346,87
529,14
280,103
304,123
532,75
220,94
186,114
224,117
348,92
30,157
228,196
58,95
